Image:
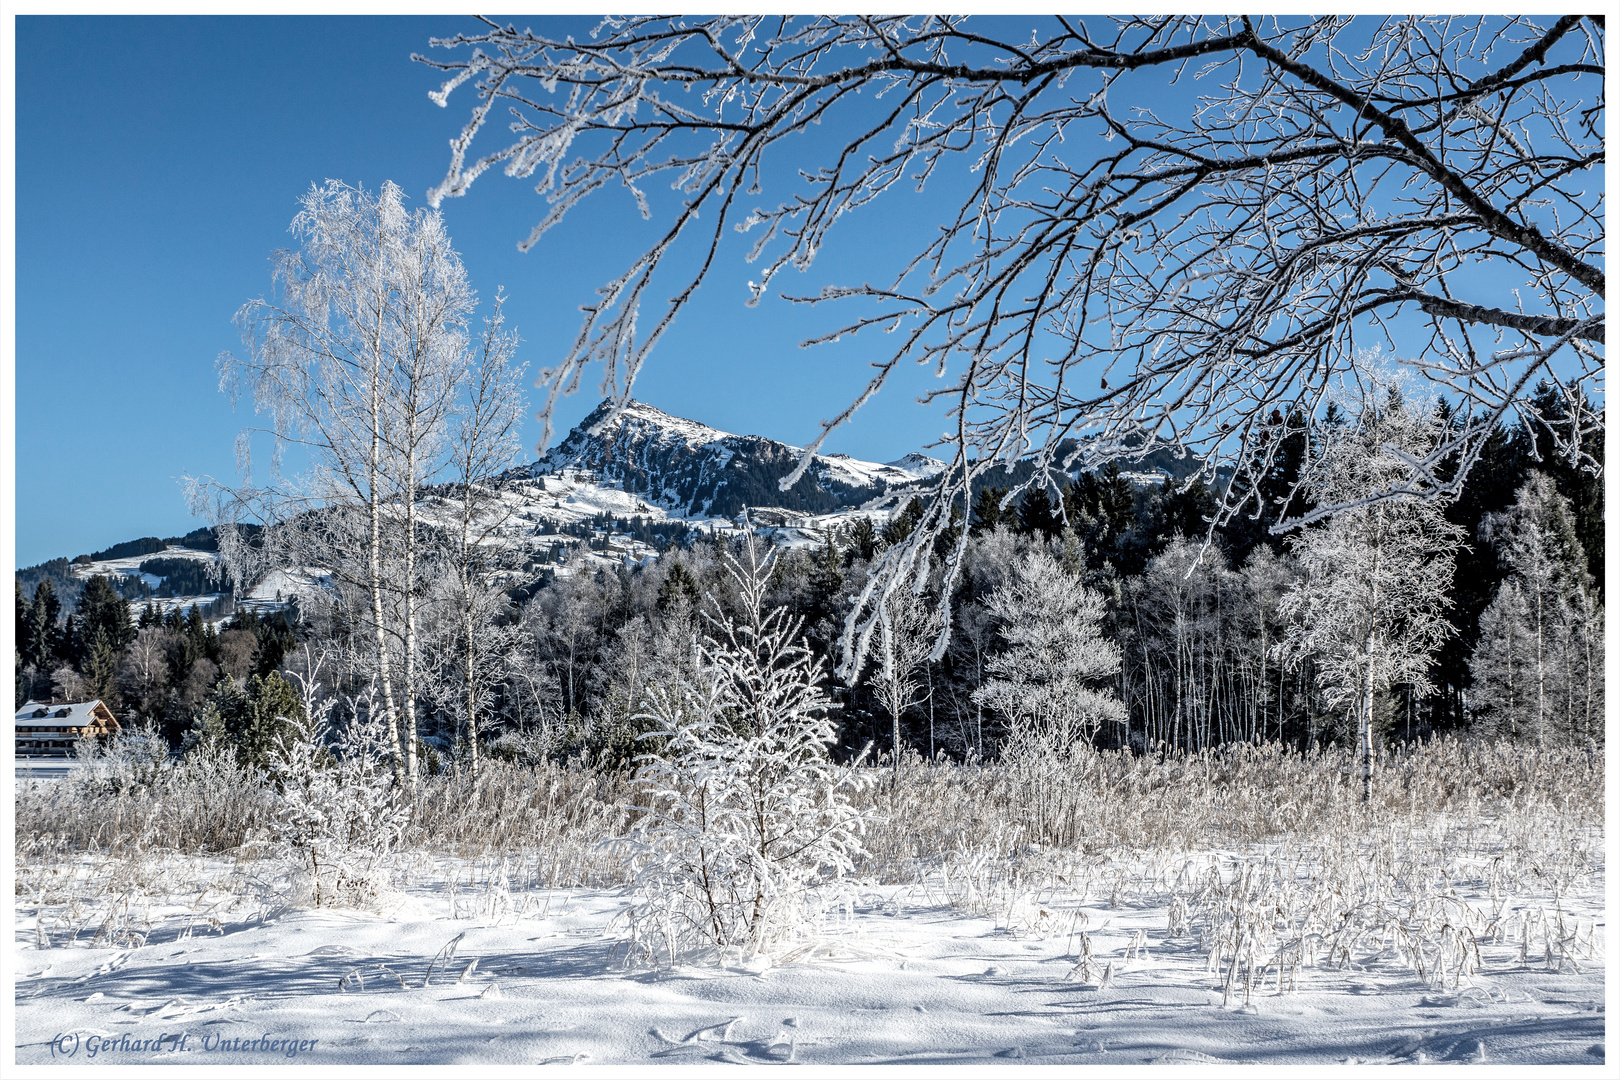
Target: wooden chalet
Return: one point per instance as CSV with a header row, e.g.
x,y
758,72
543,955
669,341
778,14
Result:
x,y
52,730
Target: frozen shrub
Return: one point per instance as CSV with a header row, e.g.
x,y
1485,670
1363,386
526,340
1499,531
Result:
x,y
127,761
748,821
337,807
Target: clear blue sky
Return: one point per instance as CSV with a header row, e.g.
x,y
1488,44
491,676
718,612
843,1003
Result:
x,y
159,161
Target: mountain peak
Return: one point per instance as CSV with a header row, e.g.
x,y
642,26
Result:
x,y
696,470
640,413
921,464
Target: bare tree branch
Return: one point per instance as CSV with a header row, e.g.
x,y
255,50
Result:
x,y
1168,231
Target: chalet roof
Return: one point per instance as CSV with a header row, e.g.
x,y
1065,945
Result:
x,y
73,714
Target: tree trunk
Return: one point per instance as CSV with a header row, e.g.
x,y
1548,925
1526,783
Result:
x,y
1541,674
469,659
894,714
410,603
1587,619
374,467
1371,656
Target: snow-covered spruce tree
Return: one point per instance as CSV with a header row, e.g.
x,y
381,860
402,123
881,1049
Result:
x,y
748,822
1044,684
1369,609
338,808
1536,672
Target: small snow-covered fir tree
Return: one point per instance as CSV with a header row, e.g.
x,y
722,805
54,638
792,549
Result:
x,y
1370,607
1536,672
338,807
748,821
1045,683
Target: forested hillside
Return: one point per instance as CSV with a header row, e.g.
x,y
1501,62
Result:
x,y
567,656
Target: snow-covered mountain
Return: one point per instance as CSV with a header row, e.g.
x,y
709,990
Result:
x,y
594,501
694,470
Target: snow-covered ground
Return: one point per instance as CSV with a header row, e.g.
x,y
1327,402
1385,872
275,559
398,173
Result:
x,y
40,768
131,566
274,588
476,970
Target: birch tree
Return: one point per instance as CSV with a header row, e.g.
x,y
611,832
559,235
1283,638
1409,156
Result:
x,y
1369,608
357,362
1152,231
432,362
484,442
896,675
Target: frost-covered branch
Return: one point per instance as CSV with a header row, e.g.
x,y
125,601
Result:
x,y
1155,232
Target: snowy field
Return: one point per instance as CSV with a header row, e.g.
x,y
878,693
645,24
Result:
x,y
1240,905
471,969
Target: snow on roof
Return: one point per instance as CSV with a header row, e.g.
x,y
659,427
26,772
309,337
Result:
x,y
72,714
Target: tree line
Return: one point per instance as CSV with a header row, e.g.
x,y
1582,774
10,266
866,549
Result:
x,y
1089,589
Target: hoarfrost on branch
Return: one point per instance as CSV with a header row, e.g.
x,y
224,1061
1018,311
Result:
x,y
1187,275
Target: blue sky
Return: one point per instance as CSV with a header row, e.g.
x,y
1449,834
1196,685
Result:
x,y
159,161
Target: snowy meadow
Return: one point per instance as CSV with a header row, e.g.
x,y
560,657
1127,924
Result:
x,y
1240,904
1216,677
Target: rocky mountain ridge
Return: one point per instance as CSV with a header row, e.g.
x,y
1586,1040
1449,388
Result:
x,y
693,470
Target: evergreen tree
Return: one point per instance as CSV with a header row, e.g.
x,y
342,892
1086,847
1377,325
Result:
x,y
826,581
1101,508
679,588
863,540
1498,473
101,667
987,509
1577,483
901,525
1276,493
38,641
196,636
1186,508
1534,669
1036,514
20,637
21,683
103,609
950,535
275,635
251,720
70,646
